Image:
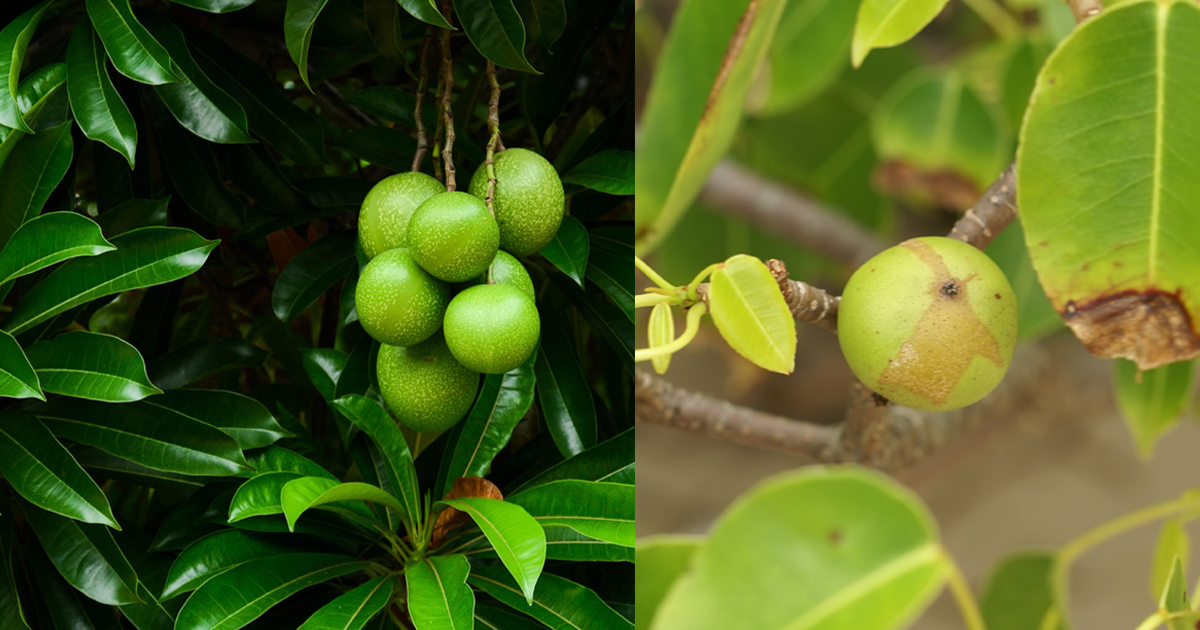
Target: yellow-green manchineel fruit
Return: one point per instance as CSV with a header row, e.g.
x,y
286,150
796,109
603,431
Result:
x,y
453,236
930,323
492,328
383,220
424,386
505,269
397,302
529,200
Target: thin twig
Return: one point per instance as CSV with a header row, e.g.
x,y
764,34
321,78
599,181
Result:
x,y
493,121
447,90
422,87
808,304
437,135
994,211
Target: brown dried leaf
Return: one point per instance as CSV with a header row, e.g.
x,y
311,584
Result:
x,y
1152,328
450,518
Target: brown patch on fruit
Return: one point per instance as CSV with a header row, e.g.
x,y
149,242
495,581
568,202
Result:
x,y
923,366
1151,328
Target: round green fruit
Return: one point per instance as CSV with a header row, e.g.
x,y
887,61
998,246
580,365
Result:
x,y
424,386
453,236
529,200
383,220
397,302
492,328
930,323
505,269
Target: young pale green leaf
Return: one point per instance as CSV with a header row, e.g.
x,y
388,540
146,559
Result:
x,y
563,391
300,495
749,310
244,419
13,40
559,603
219,552
660,560
426,11
870,561
242,594
371,417
216,6
203,358
610,461
33,169
496,30
48,239
512,532
144,257
311,273
1036,317
884,23
438,595
1152,401
568,250
1174,598
544,19
603,511
133,50
808,52
260,496
101,113
352,610
1017,594
607,171
43,472
298,24
17,378
1107,182
86,556
661,332
91,365
1174,544
695,104
133,214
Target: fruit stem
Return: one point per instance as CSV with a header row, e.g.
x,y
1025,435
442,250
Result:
x,y
694,286
493,119
693,327
422,87
447,89
653,275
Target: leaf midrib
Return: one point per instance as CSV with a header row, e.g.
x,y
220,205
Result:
x,y
57,480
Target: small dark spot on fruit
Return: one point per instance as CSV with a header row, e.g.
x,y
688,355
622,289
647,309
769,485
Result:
x,y
1120,264
872,271
835,536
997,296
950,287
1043,243
1052,80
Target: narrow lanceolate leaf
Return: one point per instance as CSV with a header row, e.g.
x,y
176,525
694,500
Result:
x,y
438,595
311,273
661,332
133,214
1173,543
196,102
496,30
105,466
545,20
324,367
300,495
13,40
749,310
607,171
493,618
10,600
244,419
559,603
203,358
133,50
219,552
563,392
91,365
145,435
101,113
1174,598
216,6
260,496
193,170
298,24
49,239
610,461
34,168
68,608
603,511
608,320
512,532
17,378
883,23
1107,183
1152,401
426,11
42,99
354,609
612,272
40,469
371,417
86,556
241,595
144,257
568,250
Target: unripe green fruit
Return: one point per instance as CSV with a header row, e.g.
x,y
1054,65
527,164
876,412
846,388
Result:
x,y
453,236
426,389
507,270
387,208
397,302
529,199
930,323
492,328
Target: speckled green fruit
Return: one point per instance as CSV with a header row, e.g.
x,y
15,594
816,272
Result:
x,y
424,386
383,220
529,200
397,302
453,236
492,328
505,269
930,323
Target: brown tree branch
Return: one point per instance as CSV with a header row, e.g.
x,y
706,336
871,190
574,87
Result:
x,y
422,87
991,214
809,305
493,122
447,90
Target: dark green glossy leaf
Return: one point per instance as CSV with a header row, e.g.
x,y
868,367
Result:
x,y
387,147
216,6
610,461
492,618
241,595
298,24
196,102
495,28
133,214
198,515
603,511
426,11
34,168
91,365
65,606
354,609
10,600
613,273
371,417
13,40
145,434
300,495
324,367
356,373
438,595
564,543
558,603
42,97
544,19
144,257
392,104
383,23
311,273
607,171
606,318
86,556
563,392
17,378
42,471
568,250
49,239
101,113
244,419
255,172
203,358
218,552
105,466
512,532
260,496
278,459
502,403
133,50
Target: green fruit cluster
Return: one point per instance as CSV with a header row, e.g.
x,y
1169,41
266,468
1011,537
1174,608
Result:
x,y
443,290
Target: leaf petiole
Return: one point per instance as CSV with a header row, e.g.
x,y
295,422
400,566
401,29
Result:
x,y
700,277
693,326
652,274
651,299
